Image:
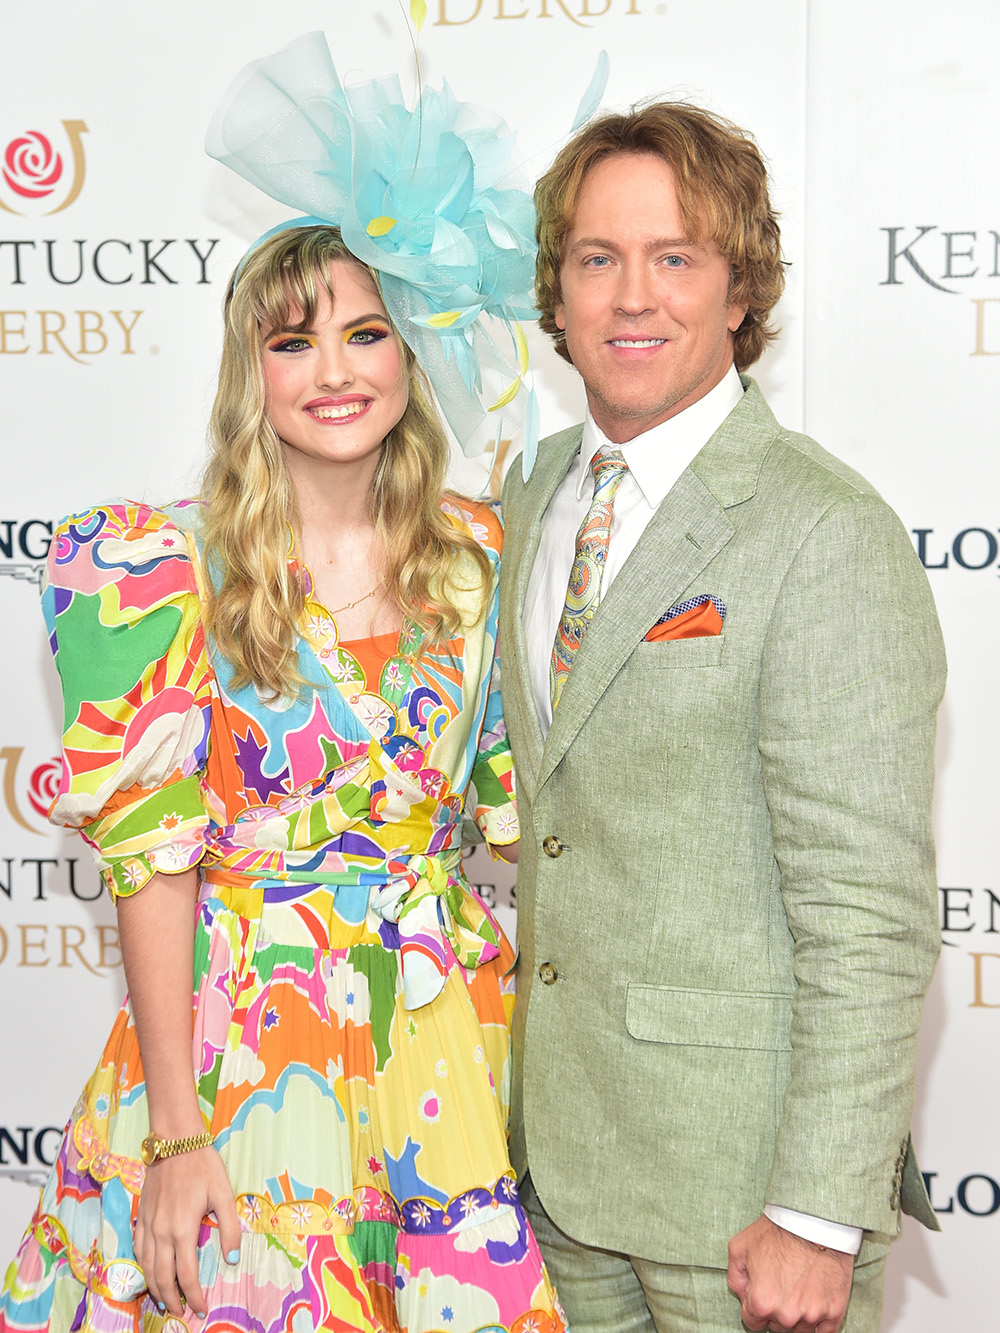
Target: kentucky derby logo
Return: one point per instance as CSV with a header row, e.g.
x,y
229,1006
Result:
x,y
37,174
43,785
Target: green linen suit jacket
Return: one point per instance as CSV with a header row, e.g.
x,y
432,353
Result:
x,y
741,911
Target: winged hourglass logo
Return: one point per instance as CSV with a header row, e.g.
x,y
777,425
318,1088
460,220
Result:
x,y
34,170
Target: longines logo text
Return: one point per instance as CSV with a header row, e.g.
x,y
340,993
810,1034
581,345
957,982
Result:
x,y
941,258
977,1194
456,13
970,912
37,176
27,1153
24,544
972,548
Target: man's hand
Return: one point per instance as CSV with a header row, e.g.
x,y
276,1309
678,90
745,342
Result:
x,y
787,1284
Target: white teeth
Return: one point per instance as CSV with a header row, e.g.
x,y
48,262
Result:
x,y
637,342
331,413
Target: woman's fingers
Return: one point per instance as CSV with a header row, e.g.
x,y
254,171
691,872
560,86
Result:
x,y
166,1294
145,1260
176,1196
188,1281
171,1209
229,1225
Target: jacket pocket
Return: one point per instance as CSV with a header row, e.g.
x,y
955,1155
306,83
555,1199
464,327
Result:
x,y
739,1020
705,651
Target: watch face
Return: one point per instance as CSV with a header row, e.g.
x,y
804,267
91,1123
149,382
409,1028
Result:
x,y
150,1149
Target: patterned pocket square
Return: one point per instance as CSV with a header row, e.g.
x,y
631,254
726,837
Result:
x,y
696,618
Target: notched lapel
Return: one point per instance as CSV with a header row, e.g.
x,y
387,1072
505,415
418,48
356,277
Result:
x,y
687,531
524,508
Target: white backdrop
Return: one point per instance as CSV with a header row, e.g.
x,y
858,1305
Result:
x,y
877,117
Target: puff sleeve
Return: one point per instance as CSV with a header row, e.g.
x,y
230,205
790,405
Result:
x,y
123,615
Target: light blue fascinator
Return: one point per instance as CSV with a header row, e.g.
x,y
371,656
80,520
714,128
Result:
x,y
429,198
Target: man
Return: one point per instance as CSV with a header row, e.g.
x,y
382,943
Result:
x,y
726,894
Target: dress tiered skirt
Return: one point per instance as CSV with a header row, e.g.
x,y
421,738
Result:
x,y
365,1141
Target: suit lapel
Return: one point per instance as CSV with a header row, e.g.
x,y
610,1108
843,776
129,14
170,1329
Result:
x,y
687,531
525,506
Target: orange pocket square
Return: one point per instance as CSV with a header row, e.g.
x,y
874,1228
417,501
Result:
x,y
697,622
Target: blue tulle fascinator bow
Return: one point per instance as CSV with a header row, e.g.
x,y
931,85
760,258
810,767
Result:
x,y
428,197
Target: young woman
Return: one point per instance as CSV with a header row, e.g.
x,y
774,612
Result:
x,y
281,700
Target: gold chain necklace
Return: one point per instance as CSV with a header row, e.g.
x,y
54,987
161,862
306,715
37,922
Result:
x,y
357,602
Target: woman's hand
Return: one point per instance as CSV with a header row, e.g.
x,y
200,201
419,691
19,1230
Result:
x,y
177,1194
157,937
508,852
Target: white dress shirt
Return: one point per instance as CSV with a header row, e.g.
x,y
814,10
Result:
x,y
655,459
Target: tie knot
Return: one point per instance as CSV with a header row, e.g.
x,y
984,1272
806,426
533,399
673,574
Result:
x,y
607,468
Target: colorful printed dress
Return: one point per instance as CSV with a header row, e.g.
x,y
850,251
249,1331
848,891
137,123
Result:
x,y
351,992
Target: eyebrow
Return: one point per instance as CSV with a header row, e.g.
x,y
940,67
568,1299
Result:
x,y
375,317
367,319
659,243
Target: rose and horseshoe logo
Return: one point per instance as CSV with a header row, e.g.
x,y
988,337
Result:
x,y
43,785
33,170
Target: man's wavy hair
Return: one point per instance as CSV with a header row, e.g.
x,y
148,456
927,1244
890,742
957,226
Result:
x,y
721,185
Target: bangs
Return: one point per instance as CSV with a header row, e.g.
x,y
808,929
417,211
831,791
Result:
x,y
292,285
282,284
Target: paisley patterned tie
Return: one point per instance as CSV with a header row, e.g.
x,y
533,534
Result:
x,y
583,595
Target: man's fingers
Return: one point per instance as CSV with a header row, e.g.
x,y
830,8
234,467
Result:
x,y
772,1316
831,1325
760,1311
736,1274
754,1324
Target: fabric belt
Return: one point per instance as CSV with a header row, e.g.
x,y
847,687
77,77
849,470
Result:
x,y
426,899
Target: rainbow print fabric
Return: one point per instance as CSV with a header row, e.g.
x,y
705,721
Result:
x,y
351,992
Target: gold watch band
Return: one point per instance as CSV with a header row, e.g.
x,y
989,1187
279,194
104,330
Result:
x,y
154,1148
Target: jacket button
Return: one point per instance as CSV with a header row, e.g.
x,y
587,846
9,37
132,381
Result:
x,y
552,846
548,973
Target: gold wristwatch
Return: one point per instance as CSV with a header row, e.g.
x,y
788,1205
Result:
x,y
154,1148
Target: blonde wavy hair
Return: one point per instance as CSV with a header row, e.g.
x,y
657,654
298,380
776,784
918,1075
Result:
x,y
256,599
721,183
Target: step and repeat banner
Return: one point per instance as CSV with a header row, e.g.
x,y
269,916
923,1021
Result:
x,y
117,236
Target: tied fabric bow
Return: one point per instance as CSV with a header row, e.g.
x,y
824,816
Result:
x,y
432,911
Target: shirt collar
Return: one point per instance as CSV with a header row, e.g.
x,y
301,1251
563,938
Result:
x,y
657,457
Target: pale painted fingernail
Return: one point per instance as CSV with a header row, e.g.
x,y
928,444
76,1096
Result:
x,y
160,1305
201,1314
233,1257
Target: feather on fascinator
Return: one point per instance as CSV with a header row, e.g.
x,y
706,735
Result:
x,y
428,198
